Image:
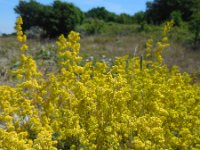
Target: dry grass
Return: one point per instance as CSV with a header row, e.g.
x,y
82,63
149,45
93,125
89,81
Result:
x,y
112,46
105,47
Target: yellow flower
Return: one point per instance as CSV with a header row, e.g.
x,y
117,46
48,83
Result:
x,y
95,106
24,47
74,36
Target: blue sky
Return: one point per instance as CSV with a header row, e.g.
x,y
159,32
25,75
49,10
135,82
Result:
x,y
8,16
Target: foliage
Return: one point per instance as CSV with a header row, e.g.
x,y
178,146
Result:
x,y
134,104
66,16
177,17
195,26
60,17
35,32
160,10
101,13
139,17
31,12
124,19
91,26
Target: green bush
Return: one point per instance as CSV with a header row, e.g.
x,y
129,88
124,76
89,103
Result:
x,y
176,16
195,26
101,13
58,18
91,26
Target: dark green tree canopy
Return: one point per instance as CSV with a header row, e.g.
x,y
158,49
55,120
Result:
x,y
139,17
195,26
160,10
30,12
124,19
67,17
55,19
102,14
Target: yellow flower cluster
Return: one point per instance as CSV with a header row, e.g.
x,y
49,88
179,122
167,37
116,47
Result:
x,y
21,37
160,44
94,106
28,68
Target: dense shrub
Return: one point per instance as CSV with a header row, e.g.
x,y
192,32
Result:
x,y
160,10
91,26
195,26
35,32
139,17
177,17
134,104
101,13
60,17
124,19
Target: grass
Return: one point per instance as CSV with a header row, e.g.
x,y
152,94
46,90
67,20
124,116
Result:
x,y
113,42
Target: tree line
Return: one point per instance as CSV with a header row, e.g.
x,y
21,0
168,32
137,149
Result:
x,y
62,17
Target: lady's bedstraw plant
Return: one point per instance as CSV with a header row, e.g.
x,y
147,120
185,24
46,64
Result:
x,y
94,106
160,45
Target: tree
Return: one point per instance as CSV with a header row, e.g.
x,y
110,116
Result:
x,y
55,19
160,10
195,26
65,17
102,14
30,12
176,16
139,17
124,19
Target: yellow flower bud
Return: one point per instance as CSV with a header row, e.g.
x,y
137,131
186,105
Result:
x,y
24,47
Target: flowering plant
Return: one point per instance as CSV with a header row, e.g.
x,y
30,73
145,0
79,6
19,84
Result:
x,y
136,104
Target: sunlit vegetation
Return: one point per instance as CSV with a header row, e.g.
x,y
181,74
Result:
x,y
134,103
